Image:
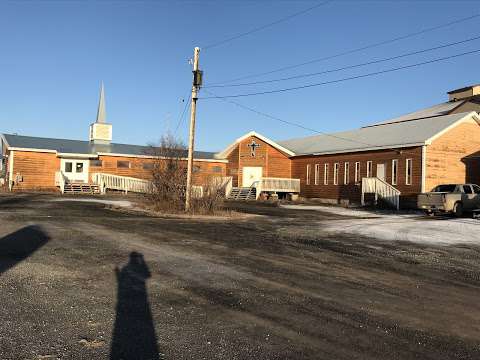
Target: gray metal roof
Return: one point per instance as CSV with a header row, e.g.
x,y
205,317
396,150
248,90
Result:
x,y
85,147
396,134
436,110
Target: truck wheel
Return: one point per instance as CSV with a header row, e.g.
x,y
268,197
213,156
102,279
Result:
x,y
458,209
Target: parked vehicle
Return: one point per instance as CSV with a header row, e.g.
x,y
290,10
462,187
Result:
x,y
450,198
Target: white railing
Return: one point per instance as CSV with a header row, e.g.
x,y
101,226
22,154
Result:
x,y
122,183
217,183
382,189
60,180
277,185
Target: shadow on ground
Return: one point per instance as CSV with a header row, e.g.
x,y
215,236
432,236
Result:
x,y
19,245
134,332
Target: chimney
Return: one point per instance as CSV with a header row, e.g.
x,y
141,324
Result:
x,y
464,93
100,130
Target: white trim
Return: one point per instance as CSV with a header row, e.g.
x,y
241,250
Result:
x,y
309,171
336,172
33,150
160,157
10,165
369,173
390,147
4,140
470,115
317,174
325,173
358,171
223,154
424,168
346,173
406,171
395,173
77,156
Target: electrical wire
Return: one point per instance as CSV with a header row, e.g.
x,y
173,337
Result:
x,y
235,37
350,66
348,52
182,116
345,79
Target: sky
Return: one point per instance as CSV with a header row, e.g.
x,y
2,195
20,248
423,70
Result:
x,y
55,54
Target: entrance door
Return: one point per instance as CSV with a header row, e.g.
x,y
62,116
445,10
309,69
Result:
x,y
250,175
75,170
381,171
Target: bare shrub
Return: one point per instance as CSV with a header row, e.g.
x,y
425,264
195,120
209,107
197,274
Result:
x,y
212,198
169,176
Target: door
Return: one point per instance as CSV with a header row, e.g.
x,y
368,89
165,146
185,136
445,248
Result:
x,y
251,174
75,170
381,171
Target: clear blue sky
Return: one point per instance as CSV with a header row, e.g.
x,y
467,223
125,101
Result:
x,y
54,55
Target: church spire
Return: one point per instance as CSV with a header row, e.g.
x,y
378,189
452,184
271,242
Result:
x,y
101,112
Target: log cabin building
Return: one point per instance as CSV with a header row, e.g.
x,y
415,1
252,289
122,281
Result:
x,y
396,159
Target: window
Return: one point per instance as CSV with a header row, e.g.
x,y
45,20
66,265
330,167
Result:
x,y
79,168
369,168
317,174
217,169
96,163
357,172
346,173
123,164
476,189
147,166
394,171
408,172
308,174
325,174
445,188
467,189
68,167
335,173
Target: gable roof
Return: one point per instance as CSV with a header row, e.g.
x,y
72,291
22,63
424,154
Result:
x,y
381,136
224,154
65,146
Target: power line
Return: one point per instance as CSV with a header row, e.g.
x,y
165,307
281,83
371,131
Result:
x,y
265,26
370,46
300,125
348,67
182,116
347,78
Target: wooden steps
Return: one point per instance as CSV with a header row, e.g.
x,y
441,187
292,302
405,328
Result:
x,y
243,193
81,188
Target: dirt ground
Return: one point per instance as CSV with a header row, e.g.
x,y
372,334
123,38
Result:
x,y
81,281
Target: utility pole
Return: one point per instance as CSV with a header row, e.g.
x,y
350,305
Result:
x,y
197,83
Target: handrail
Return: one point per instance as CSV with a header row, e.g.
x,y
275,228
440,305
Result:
x,y
122,183
60,180
276,184
380,188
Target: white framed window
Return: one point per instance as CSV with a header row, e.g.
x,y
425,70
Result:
x,y
325,174
357,171
317,174
308,174
369,168
336,166
394,171
346,173
408,171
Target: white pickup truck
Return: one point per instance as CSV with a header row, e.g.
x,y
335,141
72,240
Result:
x,y
450,198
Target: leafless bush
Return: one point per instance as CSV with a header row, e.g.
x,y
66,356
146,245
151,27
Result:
x,y
169,176
212,198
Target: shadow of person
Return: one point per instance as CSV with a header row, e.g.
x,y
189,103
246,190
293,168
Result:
x,y
19,245
134,332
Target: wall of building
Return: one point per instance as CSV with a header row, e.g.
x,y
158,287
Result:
x,y
352,190
453,157
274,162
34,170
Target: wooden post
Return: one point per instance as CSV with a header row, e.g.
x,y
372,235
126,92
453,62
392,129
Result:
x,y
191,138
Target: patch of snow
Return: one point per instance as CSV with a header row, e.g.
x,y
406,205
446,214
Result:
x,y
398,227
119,203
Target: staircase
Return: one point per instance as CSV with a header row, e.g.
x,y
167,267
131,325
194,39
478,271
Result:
x,y
81,188
243,193
381,190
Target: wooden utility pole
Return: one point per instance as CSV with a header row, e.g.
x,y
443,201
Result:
x,y
197,82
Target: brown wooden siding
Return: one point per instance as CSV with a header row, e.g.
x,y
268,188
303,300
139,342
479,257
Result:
x,y
454,156
352,190
37,170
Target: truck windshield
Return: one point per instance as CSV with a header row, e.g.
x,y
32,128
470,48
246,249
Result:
x,y
445,188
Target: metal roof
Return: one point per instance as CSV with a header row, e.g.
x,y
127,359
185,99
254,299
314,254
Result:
x,y
85,147
435,110
389,135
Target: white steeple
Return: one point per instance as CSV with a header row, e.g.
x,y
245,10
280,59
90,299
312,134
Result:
x,y
100,130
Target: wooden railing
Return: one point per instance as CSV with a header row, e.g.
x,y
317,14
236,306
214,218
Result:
x,y
277,185
121,183
60,180
382,189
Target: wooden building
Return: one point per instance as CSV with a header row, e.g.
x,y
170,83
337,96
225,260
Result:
x,y
395,159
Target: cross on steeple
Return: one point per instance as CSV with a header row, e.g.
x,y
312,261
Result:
x,y
253,146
